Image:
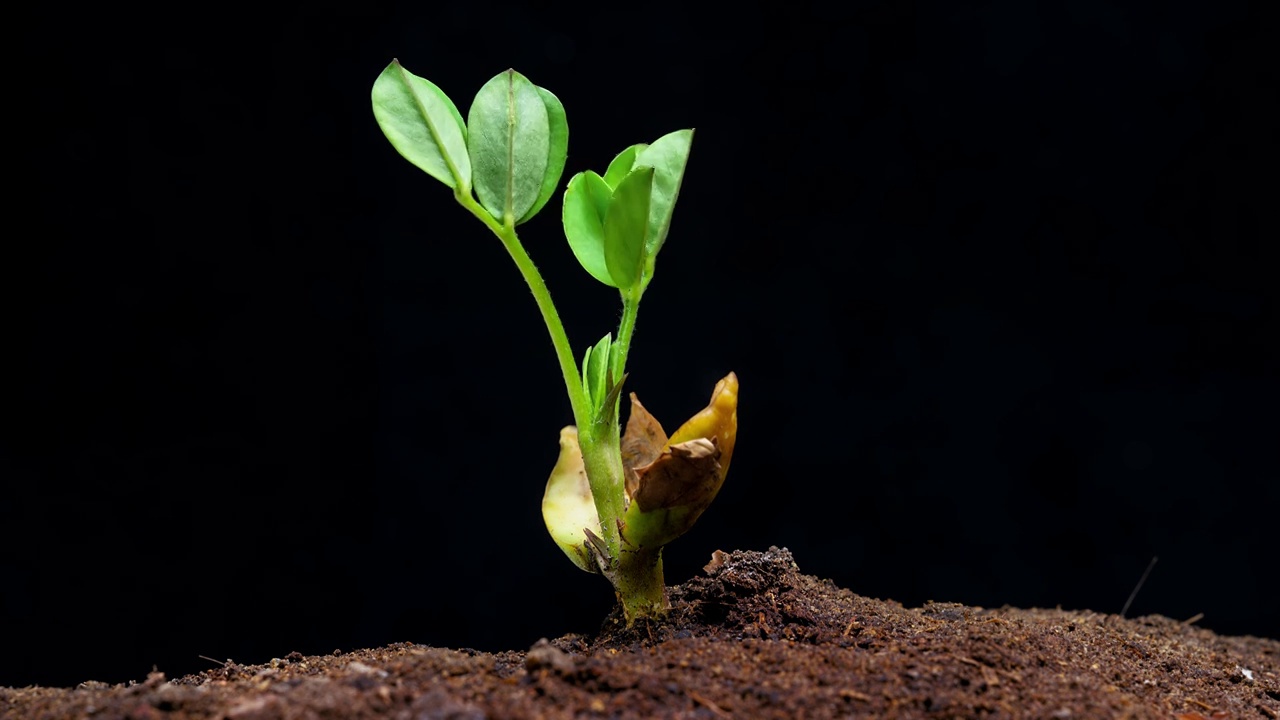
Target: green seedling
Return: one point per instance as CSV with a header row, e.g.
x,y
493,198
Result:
x,y
613,499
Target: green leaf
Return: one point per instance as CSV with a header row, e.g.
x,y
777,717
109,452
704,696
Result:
x,y
509,137
622,164
558,152
423,124
625,227
586,376
614,352
586,201
668,155
598,370
608,413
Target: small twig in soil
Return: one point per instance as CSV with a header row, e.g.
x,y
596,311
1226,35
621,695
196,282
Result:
x,y
1193,619
849,627
714,708
764,626
1203,706
1138,587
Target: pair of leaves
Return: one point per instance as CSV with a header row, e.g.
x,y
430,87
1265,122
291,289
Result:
x,y
617,223
511,149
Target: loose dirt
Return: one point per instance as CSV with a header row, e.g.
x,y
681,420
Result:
x,y
753,638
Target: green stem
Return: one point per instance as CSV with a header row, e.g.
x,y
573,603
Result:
x,y
639,584
601,454
605,438
626,328
602,459
636,575
564,351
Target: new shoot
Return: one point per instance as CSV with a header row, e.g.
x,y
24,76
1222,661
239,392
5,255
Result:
x,y
614,498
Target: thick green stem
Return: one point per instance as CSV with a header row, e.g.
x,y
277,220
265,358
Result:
x,y
639,583
605,436
602,459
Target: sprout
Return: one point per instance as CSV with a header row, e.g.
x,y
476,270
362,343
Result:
x,y
613,500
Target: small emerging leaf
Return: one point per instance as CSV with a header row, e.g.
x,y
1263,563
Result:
x,y
509,139
625,227
422,124
609,406
558,152
586,377
622,164
598,372
586,200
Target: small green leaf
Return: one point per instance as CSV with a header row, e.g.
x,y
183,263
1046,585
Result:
x,y
608,413
615,353
509,138
558,152
668,155
586,376
622,164
598,369
586,201
422,124
625,226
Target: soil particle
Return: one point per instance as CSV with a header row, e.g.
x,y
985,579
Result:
x,y
754,638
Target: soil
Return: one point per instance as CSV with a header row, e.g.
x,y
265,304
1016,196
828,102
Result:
x,y
754,638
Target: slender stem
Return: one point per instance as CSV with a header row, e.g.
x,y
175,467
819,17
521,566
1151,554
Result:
x,y
601,454
541,295
636,574
626,328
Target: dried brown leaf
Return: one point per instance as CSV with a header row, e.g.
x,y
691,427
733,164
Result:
x,y
642,442
686,474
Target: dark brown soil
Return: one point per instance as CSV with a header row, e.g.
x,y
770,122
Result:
x,y
752,639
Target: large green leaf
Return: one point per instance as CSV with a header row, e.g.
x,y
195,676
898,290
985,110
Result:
x,y
668,155
622,164
509,138
625,227
558,151
423,124
586,200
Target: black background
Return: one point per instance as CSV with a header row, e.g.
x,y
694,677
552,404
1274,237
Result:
x,y
998,280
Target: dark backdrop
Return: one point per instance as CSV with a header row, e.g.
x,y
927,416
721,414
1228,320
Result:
x,y
997,278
